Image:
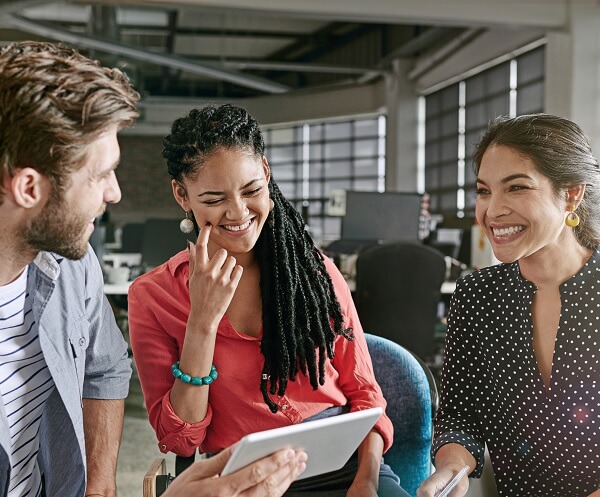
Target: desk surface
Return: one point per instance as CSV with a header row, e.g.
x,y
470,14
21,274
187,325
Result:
x,y
116,289
448,287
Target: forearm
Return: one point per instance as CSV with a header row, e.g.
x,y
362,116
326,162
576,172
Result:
x,y
190,402
369,459
455,456
103,426
595,494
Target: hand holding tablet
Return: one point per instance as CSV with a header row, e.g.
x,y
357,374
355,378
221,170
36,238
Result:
x,y
448,488
329,442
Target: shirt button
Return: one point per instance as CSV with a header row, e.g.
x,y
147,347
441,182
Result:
x,y
284,407
163,447
82,341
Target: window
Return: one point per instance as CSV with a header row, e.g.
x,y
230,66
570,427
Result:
x,y
456,116
309,160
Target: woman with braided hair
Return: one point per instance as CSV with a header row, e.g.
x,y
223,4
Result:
x,y
251,328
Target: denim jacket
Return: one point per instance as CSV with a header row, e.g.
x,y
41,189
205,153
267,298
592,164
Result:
x,y
87,358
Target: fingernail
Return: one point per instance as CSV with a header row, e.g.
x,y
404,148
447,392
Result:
x,y
288,454
303,457
301,467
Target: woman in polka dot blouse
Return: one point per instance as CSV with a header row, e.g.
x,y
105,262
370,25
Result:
x,y
521,372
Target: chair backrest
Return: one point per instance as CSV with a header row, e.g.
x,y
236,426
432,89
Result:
x,y
162,240
409,406
132,236
398,292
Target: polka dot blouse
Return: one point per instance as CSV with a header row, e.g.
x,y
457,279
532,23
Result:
x,y
541,442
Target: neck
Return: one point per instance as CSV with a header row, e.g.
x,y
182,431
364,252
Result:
x,y
552,267
14,261
16,254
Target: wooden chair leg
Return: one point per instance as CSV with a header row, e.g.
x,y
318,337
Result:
x,y
158,467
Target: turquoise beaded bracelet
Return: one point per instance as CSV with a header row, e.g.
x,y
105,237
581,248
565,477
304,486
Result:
x,y
194,380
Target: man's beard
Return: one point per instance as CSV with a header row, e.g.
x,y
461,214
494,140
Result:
x,y
58,230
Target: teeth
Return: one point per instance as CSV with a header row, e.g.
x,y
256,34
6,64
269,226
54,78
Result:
x,y
238,228
507,231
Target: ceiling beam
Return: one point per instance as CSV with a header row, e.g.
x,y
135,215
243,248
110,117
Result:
x,y
10,6
95,43
540,13
298,66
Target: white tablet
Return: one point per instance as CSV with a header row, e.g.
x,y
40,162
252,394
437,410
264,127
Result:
x,y
329,442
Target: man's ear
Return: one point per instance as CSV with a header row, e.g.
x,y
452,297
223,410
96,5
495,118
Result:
x,y
266,168
28,187
180,195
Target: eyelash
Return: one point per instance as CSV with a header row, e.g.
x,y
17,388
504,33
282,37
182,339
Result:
x,y
512,188
251,193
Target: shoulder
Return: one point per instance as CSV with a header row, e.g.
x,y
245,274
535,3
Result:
x,y
339,282
486,279
168,278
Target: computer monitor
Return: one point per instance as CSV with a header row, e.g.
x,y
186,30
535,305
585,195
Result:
x,y
448,241
381,216
162,240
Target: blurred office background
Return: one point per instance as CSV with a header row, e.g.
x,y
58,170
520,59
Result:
x,y
385,96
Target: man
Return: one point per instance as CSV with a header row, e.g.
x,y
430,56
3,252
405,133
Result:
x,y
64,370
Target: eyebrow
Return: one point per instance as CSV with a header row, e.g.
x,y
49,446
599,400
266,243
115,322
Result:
x,y
223,193
112,167
508,179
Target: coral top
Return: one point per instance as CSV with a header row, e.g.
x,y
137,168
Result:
x,y
159,305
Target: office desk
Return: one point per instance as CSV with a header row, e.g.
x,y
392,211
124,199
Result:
x,y
448,287
116,289
122,259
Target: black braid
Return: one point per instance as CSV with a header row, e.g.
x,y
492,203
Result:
x,y
294,280
300,311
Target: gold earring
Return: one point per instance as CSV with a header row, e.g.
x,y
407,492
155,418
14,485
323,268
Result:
x,y
271,204
186,225
571,219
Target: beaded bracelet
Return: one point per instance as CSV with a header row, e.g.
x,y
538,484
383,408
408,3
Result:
x,y
194,380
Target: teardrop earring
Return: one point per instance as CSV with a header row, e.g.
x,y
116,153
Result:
x,y
572,219
186,225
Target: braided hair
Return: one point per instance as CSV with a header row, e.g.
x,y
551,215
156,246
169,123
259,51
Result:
x,y
300,312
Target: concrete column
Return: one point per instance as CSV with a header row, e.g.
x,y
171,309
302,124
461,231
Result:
x,y
573,70
401,130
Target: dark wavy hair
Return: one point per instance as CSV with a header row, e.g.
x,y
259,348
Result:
x,y
561,151
301,314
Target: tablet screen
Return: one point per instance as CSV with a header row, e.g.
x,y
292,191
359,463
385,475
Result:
x,y
329,442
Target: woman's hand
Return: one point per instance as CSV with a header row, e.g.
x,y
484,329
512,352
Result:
x,y
366,480
212,283
268,477
363,488
433,485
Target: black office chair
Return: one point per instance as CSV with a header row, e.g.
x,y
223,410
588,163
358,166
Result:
x,y
162,240
132,236
398,292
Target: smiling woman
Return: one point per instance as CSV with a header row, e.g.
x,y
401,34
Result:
x,y
260,325
522,370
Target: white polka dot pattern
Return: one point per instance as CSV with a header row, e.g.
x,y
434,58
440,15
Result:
x,y
541,442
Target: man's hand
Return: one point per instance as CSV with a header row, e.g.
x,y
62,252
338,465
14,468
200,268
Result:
x,y
268,477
